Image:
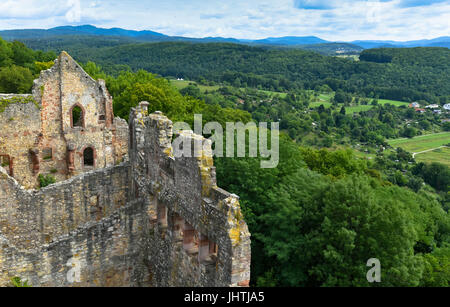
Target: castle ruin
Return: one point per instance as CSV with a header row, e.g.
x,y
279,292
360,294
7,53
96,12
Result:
x,y
124,211
65,128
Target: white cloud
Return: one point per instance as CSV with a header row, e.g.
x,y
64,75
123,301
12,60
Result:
x,y
337,20
74,12
16,14
25,9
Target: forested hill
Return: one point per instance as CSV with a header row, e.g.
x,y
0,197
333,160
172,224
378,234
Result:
x,y
403,74
406,74
76,41
319,215
150,36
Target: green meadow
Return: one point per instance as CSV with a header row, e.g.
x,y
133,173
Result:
x,y
424,143
393,102
180,84
323,98
441,155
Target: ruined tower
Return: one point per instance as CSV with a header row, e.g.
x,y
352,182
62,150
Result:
x,y
65,128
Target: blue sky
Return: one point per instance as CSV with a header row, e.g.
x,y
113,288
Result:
x,y
337,20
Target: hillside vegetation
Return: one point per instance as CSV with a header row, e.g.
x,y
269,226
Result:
x,y
19,66
319,215
398,74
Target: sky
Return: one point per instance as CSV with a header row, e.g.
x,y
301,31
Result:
x,y
343,20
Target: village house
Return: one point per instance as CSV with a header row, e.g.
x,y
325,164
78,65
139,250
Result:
x,y
414,105
419,110
432,106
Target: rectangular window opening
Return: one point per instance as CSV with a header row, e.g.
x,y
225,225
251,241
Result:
x,y
5,162
162,215
47,154
177,224
207,250
190,239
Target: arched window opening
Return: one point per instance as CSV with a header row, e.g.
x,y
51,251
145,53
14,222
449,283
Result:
x,y
77,117
88,157
6,163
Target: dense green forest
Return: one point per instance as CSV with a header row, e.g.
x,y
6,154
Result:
x,y
398,73
19,66
77,42
321,214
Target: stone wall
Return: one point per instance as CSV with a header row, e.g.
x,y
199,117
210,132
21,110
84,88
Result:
x,y
30,218
83,222
199,236
153,221
111,252
20,126
43,136
120,139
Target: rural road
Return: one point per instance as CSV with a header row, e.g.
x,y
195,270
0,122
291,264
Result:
x,y
416,153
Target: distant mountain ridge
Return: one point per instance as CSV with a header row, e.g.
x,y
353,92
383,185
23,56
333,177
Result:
x,y
291,40
436,42
151,36
107,32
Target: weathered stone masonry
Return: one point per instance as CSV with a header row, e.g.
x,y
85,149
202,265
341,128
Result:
x,y
199,237
38,132
154,220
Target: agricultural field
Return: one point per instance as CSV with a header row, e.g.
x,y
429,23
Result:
x,y
353,57
322,99
325,99
393,102
271,93
180,84
356,109
427,148
441,155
